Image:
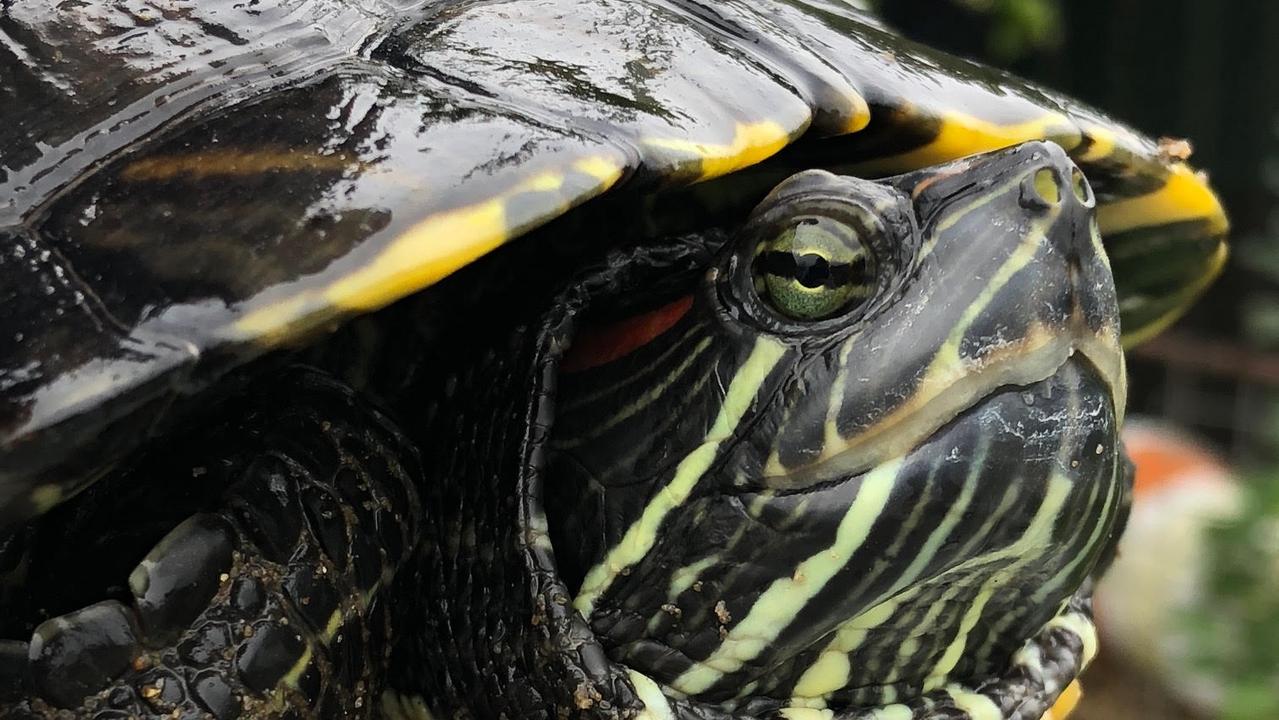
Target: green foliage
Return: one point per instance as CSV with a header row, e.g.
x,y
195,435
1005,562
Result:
x,y
1259,253
1019,26
1235,625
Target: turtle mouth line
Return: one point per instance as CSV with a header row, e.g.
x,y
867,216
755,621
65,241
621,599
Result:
x,y
914,422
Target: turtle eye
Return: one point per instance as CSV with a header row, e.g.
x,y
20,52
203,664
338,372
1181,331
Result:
x,y
814,269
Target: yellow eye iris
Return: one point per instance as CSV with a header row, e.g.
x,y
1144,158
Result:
x,y
814,269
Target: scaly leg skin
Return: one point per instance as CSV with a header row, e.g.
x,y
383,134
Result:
x,y
1040,672
271,600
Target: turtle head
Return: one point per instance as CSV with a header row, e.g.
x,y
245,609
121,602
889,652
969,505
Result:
x,y
871,454
913,298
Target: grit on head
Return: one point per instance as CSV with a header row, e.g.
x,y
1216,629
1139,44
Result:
x,y
867,454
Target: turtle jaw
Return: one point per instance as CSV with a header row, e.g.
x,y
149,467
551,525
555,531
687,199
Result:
x,y
980,533
928,569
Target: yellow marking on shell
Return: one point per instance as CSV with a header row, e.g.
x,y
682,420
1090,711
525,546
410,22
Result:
x,y
443,243
1216,264
859,118
1102,145
1185,196
656,706
606,170
751,144
960,135
234,162
427,252
978,706
1066,702
642,534
783,600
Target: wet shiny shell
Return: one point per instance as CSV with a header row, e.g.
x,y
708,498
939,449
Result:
x,y
185,185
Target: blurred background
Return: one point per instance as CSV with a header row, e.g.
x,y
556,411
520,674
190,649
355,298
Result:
x,y
1190,612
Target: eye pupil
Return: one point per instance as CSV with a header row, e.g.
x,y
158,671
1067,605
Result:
x,y
811,270
808,269
815,269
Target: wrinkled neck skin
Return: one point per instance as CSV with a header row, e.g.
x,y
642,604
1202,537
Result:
x,y
698,508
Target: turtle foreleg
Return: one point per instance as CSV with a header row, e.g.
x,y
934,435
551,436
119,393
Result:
x,y
268,598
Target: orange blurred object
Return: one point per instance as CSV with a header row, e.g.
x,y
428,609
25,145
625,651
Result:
x,y
1066,703
1180,488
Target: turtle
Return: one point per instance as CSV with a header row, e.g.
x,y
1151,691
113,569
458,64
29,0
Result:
x,y
536,358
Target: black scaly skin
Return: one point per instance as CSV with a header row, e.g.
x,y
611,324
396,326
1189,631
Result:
x,y
499,637
320,507
479,629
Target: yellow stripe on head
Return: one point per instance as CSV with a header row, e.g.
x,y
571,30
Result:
x,y
782,602
642,534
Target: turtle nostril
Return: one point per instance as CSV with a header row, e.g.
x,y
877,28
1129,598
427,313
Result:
x,y
1042,190
1047,186
1080,185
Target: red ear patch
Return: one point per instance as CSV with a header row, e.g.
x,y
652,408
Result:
x,y
597,345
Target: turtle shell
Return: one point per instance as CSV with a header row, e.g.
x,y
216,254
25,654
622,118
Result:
x,y
184,186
